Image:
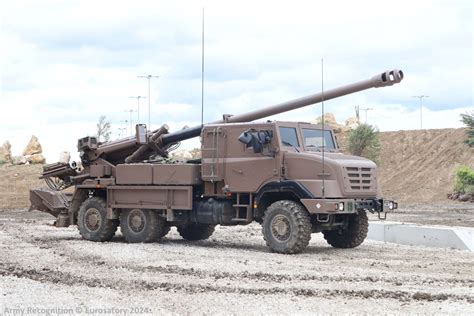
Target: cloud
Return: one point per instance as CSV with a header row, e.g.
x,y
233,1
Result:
x,y
63,64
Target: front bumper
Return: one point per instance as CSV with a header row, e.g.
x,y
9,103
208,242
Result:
x,y
348,206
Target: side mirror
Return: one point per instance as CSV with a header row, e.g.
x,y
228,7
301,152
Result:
x,y
256,140
245,138
140,135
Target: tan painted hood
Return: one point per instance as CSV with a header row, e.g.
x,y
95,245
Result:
x,y
344,175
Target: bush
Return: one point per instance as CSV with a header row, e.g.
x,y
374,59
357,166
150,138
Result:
x,y
464,180
468,120
2,162
364,141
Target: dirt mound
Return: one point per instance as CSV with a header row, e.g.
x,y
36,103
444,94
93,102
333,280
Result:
x,y
418,166
415,166
15,184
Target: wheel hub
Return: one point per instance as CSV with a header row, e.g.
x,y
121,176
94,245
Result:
x,y
93,219
136,220
280,227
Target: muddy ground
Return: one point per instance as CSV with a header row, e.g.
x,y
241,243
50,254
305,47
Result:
x,y
44,267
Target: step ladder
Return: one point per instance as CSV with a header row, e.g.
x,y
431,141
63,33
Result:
x,y
246,208
215,173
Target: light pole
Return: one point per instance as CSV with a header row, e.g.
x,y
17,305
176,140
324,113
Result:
x,y
126,125
366,110
421,107
138,97
121,131
130,111
149,99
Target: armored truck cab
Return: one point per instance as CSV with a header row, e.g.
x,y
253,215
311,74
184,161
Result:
x,y
300,159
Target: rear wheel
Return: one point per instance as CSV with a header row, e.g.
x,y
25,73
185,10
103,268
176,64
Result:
x,y
139,225
196,231
353,235
286,227
92,220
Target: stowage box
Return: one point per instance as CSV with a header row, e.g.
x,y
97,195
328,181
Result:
x,y
173,174
159,174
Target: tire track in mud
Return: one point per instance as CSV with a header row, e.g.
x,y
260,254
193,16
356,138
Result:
x,y
61,278
268,277
94,260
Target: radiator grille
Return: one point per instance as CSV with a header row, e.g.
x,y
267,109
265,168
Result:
x,y
359,179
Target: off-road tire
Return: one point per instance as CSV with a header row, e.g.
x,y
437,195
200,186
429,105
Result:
x,y
150,229
92,220
166,230
296,224
196,231
353,235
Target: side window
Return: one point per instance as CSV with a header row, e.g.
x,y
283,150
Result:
x,y
288,137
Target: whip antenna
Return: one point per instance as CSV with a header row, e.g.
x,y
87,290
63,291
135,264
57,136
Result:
x,y
322,122
202,70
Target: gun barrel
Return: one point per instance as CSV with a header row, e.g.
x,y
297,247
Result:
x,y
385,79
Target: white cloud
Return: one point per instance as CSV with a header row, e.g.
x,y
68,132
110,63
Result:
x,y
63,64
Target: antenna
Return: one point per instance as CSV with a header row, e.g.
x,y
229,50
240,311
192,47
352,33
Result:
x,y
322,121
202,71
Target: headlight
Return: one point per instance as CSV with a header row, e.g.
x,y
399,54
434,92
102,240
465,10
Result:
x,y
390,205
341,206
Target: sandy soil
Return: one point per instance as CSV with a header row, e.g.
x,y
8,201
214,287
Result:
x,y
233,272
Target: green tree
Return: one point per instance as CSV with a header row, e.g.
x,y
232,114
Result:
x,y
103,129
364,141
468,120
464,180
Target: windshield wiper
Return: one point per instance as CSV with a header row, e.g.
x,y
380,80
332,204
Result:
x,y
289,144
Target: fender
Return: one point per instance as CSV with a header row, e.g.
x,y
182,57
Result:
x,y
291,186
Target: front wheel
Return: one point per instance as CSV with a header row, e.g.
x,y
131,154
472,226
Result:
x,y
286,227
351,236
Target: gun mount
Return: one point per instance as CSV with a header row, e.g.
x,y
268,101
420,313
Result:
x,y
270,172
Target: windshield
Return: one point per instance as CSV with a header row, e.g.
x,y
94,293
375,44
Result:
x,y
313,139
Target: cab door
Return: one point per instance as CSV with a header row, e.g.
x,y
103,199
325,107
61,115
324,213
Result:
x,y
245,170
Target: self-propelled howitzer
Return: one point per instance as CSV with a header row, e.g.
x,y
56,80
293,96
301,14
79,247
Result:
x,y
289,176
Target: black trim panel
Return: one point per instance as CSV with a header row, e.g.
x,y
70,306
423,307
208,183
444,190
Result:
x,y
285,186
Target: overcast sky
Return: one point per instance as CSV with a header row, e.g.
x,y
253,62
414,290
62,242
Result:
x,y
65,63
